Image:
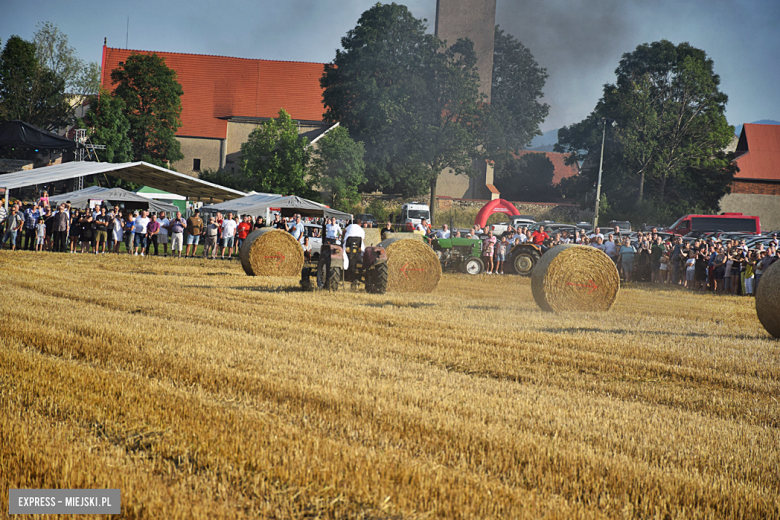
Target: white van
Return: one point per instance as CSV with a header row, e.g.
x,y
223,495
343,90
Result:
x,y
412,214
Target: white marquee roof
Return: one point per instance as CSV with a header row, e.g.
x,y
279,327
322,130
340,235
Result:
x,y
138,172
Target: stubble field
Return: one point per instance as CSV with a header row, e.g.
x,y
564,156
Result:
x,y
203,393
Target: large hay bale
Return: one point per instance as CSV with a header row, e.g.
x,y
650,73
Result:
x,y
271,252
411,236
373,237
575,278
768,299
412,266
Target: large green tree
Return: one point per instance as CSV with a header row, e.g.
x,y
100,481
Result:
x,y
152,96
338,166
671,128
515,110
108,126
275,159
28,91
414,103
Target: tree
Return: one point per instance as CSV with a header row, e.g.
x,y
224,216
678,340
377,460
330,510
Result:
x,y
527,178
81,79
28,91
339,167
515,111
109,126
671,130
275,158
152,96
414,104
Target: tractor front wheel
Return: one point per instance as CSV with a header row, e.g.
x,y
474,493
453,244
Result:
x,y
473,265
333,278
524,262
377,279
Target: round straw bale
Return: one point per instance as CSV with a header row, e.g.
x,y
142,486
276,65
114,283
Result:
x,y
373,236
412,266
575,278
411,236
768,299
271,252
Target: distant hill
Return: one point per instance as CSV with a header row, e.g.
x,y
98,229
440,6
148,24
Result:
x,y
544,142
738,129
544,148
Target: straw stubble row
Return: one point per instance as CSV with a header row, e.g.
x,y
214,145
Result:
x,y
524,410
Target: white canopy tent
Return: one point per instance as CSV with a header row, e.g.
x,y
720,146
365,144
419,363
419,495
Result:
x,y
262,203
115,196
138,172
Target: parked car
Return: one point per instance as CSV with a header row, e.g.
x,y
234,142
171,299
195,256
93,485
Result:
x,y
515,222
314,232
624,225
367,218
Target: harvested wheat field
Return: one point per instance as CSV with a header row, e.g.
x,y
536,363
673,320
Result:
x,y
201,392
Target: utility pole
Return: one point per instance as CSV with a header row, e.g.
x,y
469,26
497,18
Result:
x,y
601,164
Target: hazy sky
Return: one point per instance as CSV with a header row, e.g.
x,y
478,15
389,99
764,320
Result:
x,y
580,43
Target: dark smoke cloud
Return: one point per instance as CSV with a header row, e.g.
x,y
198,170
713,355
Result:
x,y
580,44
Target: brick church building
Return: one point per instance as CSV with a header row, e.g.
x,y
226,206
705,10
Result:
x,y
756,187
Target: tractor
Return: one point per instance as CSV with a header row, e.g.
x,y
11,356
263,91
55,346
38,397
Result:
x,y
459,254
368,267
523,257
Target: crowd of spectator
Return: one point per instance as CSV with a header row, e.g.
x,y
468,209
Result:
x,y
100,230
724,266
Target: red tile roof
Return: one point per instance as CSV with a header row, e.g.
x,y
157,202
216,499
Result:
x,y
218,87
758,152
562,171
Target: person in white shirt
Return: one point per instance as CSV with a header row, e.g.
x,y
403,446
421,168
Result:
x,y
332,231
443,232
596,234
422,226
611,248
162,236
141,222
228,235
354,230
519,235
297,229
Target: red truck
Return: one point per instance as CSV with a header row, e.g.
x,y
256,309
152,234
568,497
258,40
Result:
x,y
727,222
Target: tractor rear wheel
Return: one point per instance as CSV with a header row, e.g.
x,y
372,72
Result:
x,y
333,279
473,265
524,261
305,279
322,273
377,279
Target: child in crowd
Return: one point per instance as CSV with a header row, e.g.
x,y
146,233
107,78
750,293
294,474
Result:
x,y
40,238
501,255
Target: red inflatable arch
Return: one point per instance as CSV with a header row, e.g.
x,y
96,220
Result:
x,y
494,206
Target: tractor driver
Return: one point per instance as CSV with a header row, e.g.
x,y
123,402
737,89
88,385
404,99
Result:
x,y
354,230
443,232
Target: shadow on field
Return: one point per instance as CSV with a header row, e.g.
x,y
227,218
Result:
x,y
413,305
484,307
278,289
573,330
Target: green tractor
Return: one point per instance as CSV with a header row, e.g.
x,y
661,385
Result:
x,y
523,257
459,254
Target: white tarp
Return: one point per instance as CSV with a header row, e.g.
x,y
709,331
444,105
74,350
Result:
x,y
259,203
138,172
81,198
